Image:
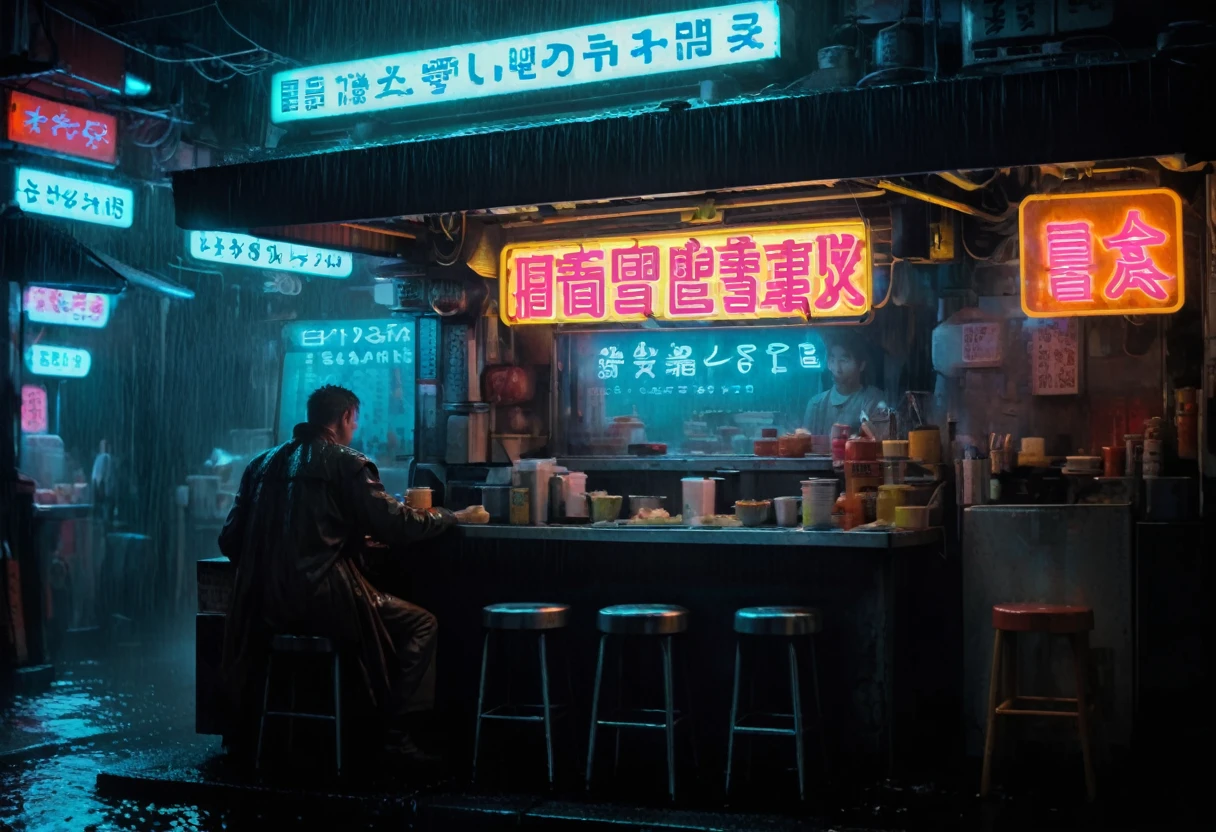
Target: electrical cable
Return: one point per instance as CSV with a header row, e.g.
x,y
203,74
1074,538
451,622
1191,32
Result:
x,y
138,50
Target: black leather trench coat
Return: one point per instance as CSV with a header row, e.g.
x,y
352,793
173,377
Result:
x,y
294,533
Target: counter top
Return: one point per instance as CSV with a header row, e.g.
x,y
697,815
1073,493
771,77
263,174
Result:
x,y
698,463
706,535
62,511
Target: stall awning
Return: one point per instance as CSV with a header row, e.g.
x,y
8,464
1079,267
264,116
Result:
x,y
1114,111
34,251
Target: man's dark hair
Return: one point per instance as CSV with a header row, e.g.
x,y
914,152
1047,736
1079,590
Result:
x,y
852,344
327,404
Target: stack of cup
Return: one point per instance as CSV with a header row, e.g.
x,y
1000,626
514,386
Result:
x,y
818,499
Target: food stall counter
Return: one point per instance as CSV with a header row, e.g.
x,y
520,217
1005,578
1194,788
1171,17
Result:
x,y
708,535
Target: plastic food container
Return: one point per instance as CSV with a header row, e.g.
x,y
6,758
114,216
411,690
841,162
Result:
x,y
766,447
912,517
753,512
890,497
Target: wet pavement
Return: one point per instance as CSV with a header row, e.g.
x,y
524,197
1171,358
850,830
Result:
x,y
110,745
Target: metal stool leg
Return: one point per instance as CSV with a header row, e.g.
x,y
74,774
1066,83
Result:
x,y
257,760
1080,657
595,710
481,701
796,696
734,714
688,709
620,705
823,730
544,690
994,693
669,713
338,713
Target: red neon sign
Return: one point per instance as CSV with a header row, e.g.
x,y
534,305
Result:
x,y
62,128
33,409
1102,253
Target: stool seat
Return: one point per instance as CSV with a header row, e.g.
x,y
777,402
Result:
x,y
778,621
301,644
525,616
643,620
1034,617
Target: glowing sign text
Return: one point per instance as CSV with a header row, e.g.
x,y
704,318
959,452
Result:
x,y
1102,253
45,305
63,362
69,198
612,51
33,408
813,270
228,249
62,128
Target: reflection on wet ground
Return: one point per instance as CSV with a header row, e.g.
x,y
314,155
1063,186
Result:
x,y
134,722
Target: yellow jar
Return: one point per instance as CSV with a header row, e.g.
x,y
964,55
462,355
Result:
x,y
890,496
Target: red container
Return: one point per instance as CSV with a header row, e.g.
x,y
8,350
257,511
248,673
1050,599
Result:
x,y
1113,461
766,447
860,450
506,384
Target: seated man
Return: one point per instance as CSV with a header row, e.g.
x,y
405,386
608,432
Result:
x,y
301,516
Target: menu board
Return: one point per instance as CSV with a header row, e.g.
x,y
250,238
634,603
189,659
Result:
x,y
666,378
1055,355
374,359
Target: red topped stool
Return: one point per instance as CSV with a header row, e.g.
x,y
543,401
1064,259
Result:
x,y
1003,698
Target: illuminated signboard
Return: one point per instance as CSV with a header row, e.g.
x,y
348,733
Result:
x,y
1101,253
64,362
45,305
227,249
70,198
809,270
661,43
33,408
62,128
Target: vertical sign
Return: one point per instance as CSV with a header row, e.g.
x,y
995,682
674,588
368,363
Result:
x,y
33,408
1055,353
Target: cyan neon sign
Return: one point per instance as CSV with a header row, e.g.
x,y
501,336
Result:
x,y
61,362
661,43
67,197
227,249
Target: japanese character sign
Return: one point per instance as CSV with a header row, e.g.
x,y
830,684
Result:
x,y
60,362
1102,253
62,128
67,197
33,408
226,248
810,270
47,305
726,35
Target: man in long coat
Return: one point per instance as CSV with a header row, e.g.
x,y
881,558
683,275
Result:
x,y
301,516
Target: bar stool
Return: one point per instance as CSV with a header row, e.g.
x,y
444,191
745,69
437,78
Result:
x,y
791,624
301,647
1008,620
535,618
661,621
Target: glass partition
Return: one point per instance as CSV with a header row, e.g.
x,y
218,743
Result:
x,y
702,391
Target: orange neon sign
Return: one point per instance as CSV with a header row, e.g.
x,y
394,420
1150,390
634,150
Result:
x,y
1102,253
806,270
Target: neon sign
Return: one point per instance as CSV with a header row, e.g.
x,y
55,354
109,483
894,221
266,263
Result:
x,y
60,362
227,249
44,305
70,198
33,408
808,271
62,128
1102,253
606,52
